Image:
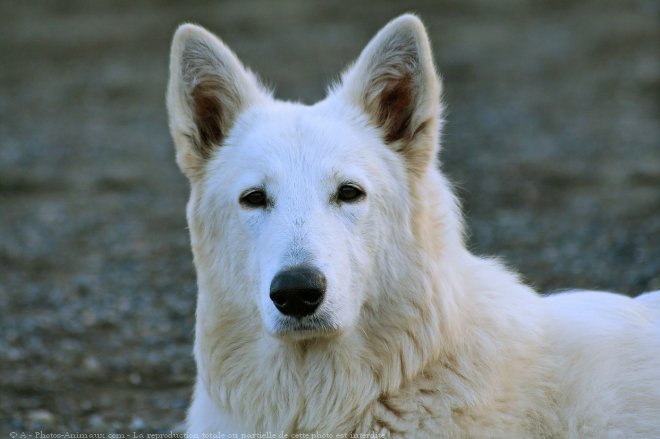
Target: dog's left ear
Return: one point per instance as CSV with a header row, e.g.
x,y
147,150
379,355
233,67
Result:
x,y
394,82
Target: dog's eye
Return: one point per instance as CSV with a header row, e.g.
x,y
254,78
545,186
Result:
x,y
254,198
349,193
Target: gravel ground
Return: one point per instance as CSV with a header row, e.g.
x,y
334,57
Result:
x,y
553,139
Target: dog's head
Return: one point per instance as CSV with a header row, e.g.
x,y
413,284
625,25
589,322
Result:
x,y
293,207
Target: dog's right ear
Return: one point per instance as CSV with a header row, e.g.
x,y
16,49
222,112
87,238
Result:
x,y
208,88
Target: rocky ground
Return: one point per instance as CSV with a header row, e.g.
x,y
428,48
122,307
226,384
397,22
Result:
x,y
553,139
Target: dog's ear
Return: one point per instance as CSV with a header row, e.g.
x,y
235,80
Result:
x,y
208,88
394,82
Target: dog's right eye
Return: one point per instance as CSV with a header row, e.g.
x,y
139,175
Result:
x,y
254,198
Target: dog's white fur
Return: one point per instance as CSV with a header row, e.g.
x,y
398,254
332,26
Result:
x,y
418,337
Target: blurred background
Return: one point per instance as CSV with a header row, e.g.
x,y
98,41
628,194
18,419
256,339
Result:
x,y
553,141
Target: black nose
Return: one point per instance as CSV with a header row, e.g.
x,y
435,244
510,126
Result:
x,y
298,291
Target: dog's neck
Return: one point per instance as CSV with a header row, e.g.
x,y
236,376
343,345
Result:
x,y
319,385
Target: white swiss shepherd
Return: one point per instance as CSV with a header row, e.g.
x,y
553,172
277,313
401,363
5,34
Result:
x,y
336,294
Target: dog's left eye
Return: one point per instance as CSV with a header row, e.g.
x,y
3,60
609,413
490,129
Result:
x,y
349,193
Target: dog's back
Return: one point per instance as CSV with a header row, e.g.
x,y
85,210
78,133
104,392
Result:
x,y
652,301
605,354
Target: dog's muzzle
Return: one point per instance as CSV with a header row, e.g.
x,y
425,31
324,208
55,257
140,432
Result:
x,y
298,291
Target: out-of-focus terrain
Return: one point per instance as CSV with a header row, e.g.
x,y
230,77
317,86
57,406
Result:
x,y
553,140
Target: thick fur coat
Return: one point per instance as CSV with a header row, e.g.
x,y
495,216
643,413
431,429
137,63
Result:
x,y
414,337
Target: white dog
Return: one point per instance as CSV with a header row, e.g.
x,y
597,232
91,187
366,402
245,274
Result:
x,y
336,294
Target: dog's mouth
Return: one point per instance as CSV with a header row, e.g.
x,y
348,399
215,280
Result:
x,y
317,325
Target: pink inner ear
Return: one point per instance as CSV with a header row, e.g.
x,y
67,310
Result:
x,y
207,109
394,108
